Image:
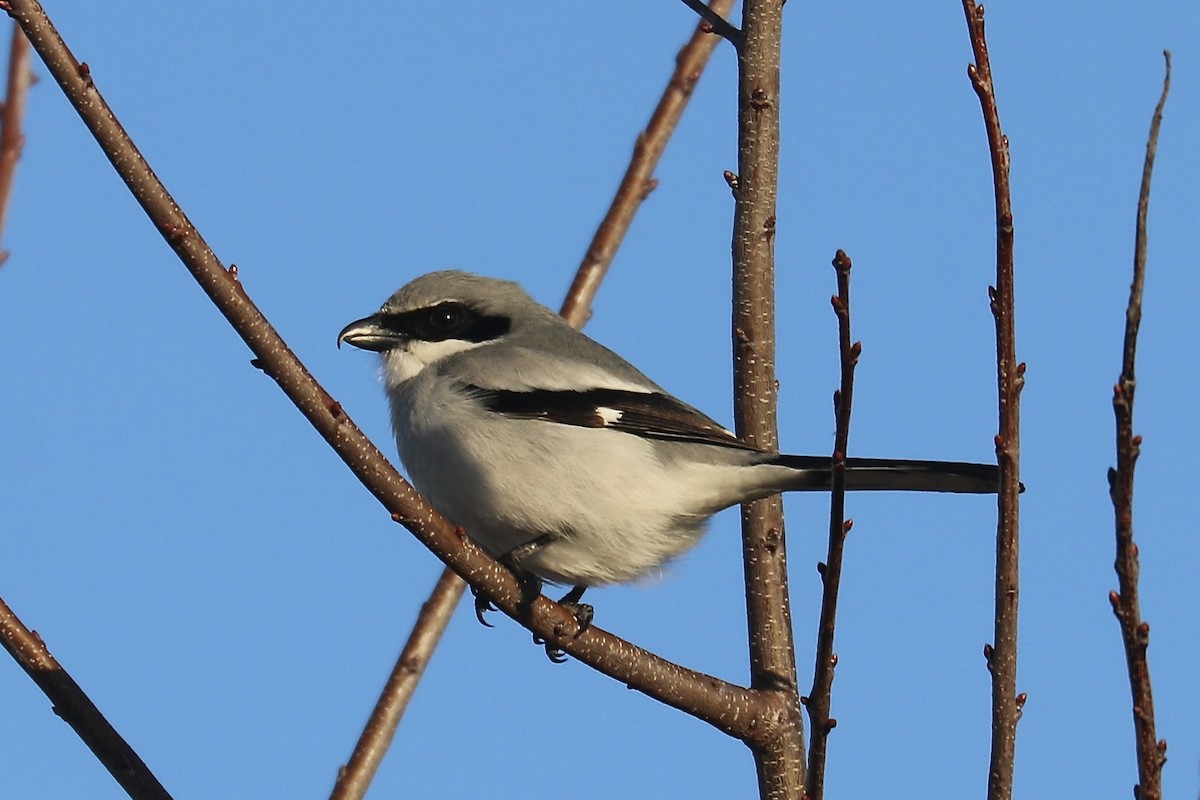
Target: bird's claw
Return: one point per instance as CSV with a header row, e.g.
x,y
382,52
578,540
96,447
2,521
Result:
x,y
482,606
553,653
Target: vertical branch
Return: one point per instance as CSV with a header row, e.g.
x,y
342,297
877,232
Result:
x,y
12,140
1002,654
1135,632
356,776
780,761
818,701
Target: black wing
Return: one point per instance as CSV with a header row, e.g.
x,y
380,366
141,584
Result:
x,y
651,415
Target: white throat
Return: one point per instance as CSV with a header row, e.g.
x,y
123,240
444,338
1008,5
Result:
x,y
402,364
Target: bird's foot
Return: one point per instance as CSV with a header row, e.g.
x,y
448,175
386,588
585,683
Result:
x,y
583,614
531,585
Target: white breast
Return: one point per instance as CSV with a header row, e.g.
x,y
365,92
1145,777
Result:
x,y
619,509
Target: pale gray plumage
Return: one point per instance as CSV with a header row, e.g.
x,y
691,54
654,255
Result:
x,y
521,429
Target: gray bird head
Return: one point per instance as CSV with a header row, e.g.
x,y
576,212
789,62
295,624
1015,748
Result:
x,y
440,314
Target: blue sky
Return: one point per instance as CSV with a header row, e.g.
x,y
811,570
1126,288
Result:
x,y
233,599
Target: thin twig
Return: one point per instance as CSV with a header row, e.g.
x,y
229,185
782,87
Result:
x,y
1135,632
638,180
12,140
716,21
730,708
355,777
77,710
818,701
780,761
1002,653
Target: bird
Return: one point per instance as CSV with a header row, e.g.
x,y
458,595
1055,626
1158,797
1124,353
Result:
x,y
559,457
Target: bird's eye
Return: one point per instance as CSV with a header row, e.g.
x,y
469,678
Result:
x,y
446,318
445,321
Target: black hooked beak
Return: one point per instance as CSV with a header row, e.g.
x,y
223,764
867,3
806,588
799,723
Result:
x,y
369,333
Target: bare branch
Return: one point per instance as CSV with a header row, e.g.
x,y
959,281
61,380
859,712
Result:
x,y
780,761
716,21
1002,654
77,710
732,709
818,701
1135,632
12,140
354,778
638,180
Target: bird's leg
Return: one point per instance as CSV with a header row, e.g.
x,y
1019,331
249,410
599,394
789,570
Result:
x,y
582,612
531,585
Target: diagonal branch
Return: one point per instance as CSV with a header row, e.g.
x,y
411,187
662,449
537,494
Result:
x,y
77,710
354,778
638,180
730,708
818,701
1135,632
1002,654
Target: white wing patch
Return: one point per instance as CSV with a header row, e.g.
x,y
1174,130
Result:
x,y
609,416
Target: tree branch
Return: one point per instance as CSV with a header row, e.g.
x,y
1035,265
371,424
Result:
x,y
355,777
1002,654
77,710
780,759
730,708
638,180
818,701
12,140
1135,632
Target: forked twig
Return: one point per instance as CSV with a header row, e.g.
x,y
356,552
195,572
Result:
x,y
1135,632
1002,653
356,775
818,701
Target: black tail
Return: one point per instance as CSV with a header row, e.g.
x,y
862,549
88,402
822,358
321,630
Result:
x,y
889,474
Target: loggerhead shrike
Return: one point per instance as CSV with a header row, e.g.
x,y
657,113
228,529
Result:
x,y
558,456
